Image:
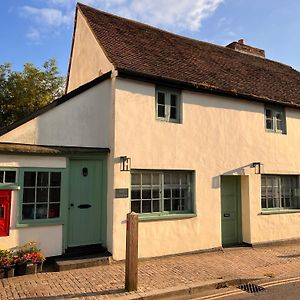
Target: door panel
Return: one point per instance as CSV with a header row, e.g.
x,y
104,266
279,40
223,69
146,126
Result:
x,y
85,202
231,210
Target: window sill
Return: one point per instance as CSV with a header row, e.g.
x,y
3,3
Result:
x,y
39,223
158,217
278,212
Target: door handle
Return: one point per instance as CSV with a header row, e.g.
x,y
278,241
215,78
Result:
x,y
227,215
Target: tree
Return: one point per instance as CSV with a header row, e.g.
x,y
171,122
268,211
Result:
x,y
22,93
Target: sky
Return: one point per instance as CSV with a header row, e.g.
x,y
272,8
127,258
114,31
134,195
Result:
x,y
37,30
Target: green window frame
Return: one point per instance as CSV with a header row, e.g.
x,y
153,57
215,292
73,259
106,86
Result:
x,y
41,195
168,105
162,192
9,178
279,192
275,119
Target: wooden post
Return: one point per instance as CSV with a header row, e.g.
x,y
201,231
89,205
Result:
x,y
131,265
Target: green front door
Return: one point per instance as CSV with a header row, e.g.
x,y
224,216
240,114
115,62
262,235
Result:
x,y
231,210
85,203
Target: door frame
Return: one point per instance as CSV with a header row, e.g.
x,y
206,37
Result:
x,y
239,228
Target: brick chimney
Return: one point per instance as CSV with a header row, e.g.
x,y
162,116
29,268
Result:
x,y
242,47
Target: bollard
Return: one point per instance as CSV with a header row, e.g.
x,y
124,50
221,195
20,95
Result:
x,y
131,264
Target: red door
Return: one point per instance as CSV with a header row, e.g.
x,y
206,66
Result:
x,y
5,204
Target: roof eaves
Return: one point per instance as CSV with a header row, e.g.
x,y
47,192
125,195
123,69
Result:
x,y
129,74
56,102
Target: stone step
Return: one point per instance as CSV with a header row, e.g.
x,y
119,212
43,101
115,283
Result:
x,y
70,264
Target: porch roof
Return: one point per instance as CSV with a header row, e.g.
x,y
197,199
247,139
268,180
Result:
x,y
15,148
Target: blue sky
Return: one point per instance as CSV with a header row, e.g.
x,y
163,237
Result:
x,y
36,30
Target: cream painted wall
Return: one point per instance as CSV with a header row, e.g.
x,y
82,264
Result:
x,y
217,136
80,121
88,60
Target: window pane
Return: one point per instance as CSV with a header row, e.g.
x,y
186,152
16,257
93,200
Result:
x,y
10,176
156,206
269,124
167,178
146,194
175,204
173,100
41,211
167,204
28,212
136,206
29,195
55,178
279,125
54,194
155,179
160,98
167,193
175,178
146,179
135,179
155,193
135,194
161,111
173,113
29,178
42,178
1,176
53,211
269,113
146,206
175,193
42,195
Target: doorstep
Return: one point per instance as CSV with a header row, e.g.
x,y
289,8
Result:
x,y
78,263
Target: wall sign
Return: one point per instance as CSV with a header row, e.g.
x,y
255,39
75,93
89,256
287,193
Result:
x,y
121,193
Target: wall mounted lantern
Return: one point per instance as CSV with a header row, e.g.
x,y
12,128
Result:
x,y
257,167
125,163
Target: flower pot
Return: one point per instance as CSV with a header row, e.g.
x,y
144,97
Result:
x,y
34,268
7,272
20,269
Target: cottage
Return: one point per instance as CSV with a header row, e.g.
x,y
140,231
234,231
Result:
x,y
200,140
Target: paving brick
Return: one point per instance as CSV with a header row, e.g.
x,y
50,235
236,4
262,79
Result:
x,y
107,281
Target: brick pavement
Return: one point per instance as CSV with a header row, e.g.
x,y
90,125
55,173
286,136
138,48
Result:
x,y
105,282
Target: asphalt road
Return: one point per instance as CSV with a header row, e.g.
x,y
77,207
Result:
x,y
288,289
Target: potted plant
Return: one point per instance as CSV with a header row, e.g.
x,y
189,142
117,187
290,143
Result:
x,y
27,254
6,264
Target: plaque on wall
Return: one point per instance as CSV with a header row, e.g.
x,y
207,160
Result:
x,y
121,193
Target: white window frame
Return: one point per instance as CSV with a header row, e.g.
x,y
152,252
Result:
x,y
168,94
280,190
275,110
160,188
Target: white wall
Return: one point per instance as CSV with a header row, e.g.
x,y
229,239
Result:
x,y
80,121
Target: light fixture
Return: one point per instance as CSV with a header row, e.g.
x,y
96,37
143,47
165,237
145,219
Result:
x,y
256,166
125,163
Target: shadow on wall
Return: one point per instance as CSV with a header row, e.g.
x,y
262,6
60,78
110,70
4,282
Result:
x,y
216,180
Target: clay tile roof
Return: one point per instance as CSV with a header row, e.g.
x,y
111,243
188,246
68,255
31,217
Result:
x,y
140,48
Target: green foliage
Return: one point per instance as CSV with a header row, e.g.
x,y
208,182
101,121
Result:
x,y
22,93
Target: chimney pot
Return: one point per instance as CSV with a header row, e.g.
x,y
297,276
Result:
x,y
241,41
242,47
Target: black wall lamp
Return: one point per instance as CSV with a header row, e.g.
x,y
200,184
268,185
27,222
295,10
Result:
x,y
257,167
125,163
